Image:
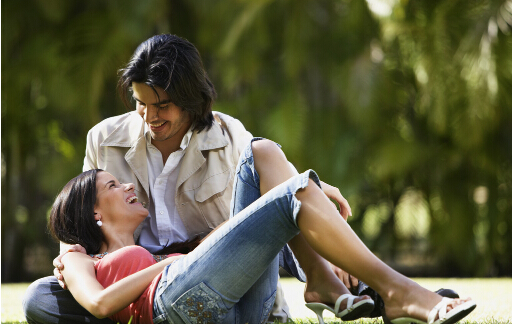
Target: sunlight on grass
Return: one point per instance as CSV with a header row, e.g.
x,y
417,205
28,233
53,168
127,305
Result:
x,y
493,296
12,295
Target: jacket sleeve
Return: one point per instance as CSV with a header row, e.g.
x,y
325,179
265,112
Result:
x,y
242,137
238,135
91,151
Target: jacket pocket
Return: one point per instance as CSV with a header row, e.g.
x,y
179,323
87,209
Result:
x,y
215,184
203,206
214,197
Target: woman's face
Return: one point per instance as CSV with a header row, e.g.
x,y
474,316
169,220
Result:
x,y
116,201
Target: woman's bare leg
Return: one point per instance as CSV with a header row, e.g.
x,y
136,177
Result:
x,y
322,283
332,238
325,231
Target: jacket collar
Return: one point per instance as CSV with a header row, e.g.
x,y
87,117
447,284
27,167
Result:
x,y
127,133
210,139
130,133
206,140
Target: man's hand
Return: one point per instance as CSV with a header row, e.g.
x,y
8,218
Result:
x,y
59,266
334,194
349,281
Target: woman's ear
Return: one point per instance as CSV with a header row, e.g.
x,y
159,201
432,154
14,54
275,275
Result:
x,y
97,216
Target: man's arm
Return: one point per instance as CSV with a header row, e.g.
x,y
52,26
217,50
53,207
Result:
x,y
90,160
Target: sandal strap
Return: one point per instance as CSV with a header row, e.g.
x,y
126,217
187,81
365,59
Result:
x,y
439,309
350,302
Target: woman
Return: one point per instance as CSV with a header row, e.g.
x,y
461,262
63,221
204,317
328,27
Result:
x,y
232,275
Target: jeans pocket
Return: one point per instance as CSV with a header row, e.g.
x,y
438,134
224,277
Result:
x,y
200,304
267,307
160,319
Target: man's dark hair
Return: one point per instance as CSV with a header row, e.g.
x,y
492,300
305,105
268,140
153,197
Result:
x,y
72,215
173,64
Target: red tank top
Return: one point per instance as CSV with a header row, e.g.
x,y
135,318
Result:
x,y
122,263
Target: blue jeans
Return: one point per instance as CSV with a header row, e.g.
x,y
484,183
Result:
x,y
232,276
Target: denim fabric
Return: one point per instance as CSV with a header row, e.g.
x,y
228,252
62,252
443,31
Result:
x,y
246,190
46,302
232,276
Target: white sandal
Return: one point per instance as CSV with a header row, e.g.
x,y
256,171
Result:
x,y
453,316
352,312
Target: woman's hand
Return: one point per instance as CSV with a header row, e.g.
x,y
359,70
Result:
x,y
59,266
335,194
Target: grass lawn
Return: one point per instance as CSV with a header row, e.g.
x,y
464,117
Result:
x,y
493,297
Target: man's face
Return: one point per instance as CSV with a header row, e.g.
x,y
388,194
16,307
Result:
x,y
165,119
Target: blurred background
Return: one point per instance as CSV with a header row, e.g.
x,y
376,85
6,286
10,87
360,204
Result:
x,y
406,106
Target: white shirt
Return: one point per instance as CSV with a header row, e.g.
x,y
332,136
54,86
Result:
x,y
163,225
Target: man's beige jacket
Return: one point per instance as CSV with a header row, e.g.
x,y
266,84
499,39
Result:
x,y
205,180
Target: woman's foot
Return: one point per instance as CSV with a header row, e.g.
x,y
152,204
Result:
x,y
417,303
353,309
332,300
327,291
330,294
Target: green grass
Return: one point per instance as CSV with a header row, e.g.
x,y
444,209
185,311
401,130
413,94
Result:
x,y
11,303
493,297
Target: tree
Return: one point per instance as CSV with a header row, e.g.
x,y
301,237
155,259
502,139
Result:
x,y
403,105
406,108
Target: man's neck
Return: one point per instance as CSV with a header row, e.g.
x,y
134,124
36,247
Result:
x,y
170,145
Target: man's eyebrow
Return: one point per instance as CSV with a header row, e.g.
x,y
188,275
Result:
x,y
163,102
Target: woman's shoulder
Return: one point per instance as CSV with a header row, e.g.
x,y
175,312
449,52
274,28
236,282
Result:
x,y
125,256
126,249
132,250
74,257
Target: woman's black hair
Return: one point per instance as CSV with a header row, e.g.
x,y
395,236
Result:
x,y
72,215
173,64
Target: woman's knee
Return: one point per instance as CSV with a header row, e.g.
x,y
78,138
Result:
x,y
265,150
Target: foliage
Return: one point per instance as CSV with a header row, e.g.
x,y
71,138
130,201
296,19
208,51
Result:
x,y
406,106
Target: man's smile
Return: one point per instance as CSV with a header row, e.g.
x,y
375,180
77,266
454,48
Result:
x,y
157,126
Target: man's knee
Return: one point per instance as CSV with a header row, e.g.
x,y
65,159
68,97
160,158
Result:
x,y
35,300
46,302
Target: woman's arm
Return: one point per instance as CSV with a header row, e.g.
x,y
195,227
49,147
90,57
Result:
x,y
102,302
